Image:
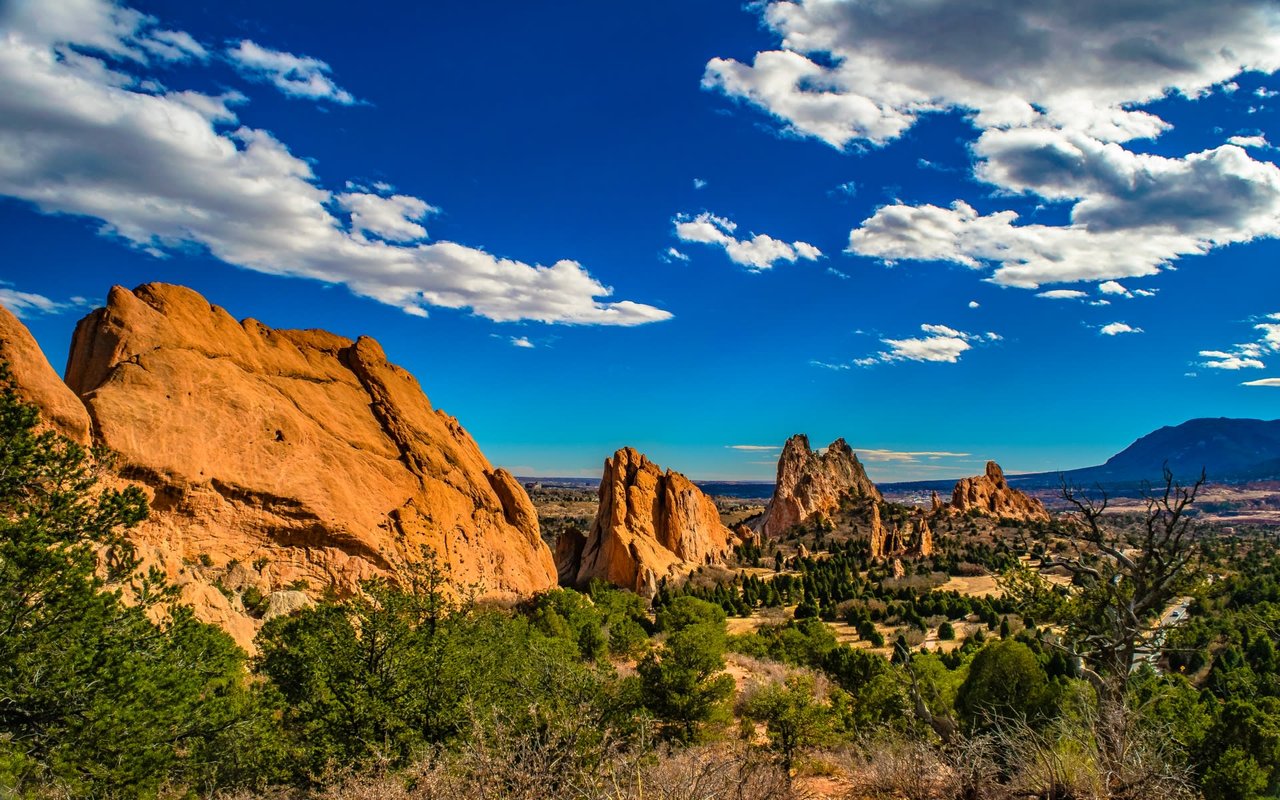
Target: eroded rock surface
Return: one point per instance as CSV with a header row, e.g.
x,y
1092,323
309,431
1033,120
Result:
x,y
36,382
302,459
811,483
650,525
991,495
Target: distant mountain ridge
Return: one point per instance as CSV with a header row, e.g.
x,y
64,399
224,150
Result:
x,y
1228,450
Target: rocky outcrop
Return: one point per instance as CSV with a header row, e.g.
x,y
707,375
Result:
x,y
812,483
36,382
990,494
279,459
650,525
913,537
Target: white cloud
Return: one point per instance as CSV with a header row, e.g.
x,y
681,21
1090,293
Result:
x,y
1259,141
521,341
941,344
903,456
1115,288
1063,294
973,304
1117,328
759,252
295,76
1249,354
25,305
754,448
673,254
1054,88
1263,382
1220,359
699,183
1132,215
174,168
393,218
96,25
867,71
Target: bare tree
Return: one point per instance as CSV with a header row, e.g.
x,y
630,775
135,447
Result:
x,y
1126,577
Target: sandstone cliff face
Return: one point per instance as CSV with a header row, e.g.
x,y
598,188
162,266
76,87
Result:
x,y
650,525
991,494
37,383
301,453
810,483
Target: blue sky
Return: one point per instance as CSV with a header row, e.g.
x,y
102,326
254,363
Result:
x,y
947,232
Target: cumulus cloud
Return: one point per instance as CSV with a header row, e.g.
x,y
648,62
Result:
x,y
759,252
1248,355
393,218
973,304
1117,328
293,75
1055,88
1114,287
862,70
164,169
940,343
1132,214
521,341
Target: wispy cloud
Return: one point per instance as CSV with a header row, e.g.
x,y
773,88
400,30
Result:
x,y
26,305
760,252
941,344
1247,355
293,75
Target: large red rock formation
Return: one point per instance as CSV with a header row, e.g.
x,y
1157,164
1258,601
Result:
x,y
301,453
812,483
990,494
37,383
651,524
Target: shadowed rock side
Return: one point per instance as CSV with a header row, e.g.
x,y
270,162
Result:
x,y
990,494
913,537
303,453
650,525
810,483
37,383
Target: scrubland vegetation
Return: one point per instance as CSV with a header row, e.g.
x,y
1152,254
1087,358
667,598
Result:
x,y
109,688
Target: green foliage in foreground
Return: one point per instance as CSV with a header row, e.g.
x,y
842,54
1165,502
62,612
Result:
x,y
95,697
100,697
